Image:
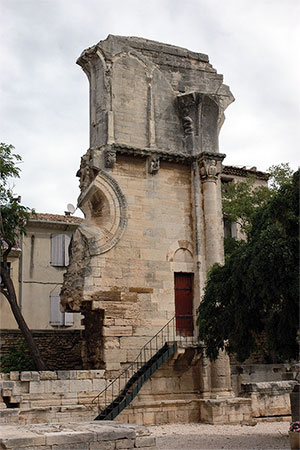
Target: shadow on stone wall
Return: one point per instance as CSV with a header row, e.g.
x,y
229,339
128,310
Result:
x,y
60,349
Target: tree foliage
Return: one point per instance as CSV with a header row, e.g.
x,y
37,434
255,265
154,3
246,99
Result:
x,y
13,219
240,200
256,291
17,359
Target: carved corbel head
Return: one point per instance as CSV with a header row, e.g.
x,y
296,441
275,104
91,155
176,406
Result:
x,y
153,164
85,174
110,157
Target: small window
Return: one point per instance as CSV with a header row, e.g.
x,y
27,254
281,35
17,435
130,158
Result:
x,y
58,318
60,250
226,183
230,229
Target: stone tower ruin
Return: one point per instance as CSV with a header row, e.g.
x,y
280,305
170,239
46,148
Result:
x,y
150,193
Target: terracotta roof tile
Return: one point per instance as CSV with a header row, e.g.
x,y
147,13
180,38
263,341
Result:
x,y
243,172
45,217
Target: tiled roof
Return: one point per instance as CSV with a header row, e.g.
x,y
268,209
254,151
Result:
x,y
243,172
45,217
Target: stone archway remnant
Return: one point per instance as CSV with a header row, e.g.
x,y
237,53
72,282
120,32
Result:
x,y
151,177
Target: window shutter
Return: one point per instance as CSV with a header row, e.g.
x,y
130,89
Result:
x,y
60,249
227,228
234,230
67,244
68,319
57,249
56,316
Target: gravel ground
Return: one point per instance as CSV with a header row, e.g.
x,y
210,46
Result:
x,y
198,436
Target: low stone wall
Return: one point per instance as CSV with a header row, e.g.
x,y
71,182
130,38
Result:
x,y
269,399
61,396
161,412
256,373
173,394
235,410
77,436
61,349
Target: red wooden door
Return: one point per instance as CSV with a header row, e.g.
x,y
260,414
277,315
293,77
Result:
x,y
184,303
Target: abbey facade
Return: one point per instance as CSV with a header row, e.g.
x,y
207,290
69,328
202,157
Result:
x,y
151,194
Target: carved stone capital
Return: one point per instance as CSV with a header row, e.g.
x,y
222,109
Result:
x,y
153,164
110,157
210,166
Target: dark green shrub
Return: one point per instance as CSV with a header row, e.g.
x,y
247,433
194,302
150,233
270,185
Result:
x,y
17,359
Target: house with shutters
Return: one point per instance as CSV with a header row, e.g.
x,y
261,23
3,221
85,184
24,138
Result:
x,y
37,267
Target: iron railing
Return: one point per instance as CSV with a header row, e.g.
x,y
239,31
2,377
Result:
x,y
179,329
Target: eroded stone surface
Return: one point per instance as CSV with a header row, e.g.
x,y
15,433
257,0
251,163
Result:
x,y
91,435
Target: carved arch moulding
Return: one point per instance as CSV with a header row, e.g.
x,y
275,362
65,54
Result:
x,y
181,244
105,208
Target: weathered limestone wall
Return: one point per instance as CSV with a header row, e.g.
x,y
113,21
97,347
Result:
x,y
133,283
143,264
172,395
256,373
133,87
62,396
269,399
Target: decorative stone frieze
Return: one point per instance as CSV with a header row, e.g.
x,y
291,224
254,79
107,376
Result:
x,y
162,154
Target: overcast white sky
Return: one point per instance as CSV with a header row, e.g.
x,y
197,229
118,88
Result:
x,y
44,94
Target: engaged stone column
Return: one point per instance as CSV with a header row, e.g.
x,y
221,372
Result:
x,y
210,167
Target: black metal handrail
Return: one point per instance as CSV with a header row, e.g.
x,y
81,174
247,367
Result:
x,y
178,329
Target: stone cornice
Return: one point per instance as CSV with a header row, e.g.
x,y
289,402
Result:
x,y
164,155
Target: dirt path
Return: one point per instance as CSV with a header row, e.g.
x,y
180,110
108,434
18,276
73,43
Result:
x,y
263,436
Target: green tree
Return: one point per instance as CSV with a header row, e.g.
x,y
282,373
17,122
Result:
x,y
13,220
240,200
257,288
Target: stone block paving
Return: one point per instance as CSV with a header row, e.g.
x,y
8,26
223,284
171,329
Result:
x,y
76,436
